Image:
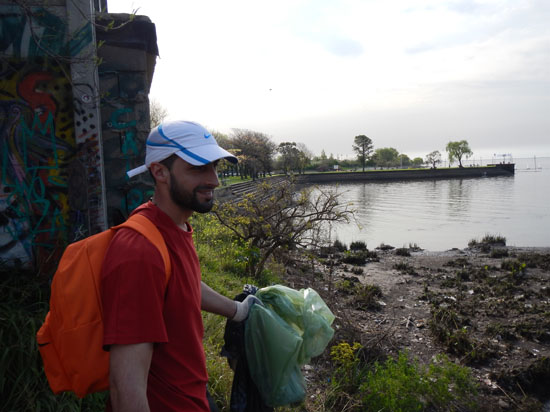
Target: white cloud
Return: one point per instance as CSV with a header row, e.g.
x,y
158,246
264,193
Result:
x,y
409,74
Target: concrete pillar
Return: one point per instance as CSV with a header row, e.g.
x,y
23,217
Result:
x,y
87,115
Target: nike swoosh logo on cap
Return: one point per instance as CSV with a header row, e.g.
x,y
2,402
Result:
x,y
206,136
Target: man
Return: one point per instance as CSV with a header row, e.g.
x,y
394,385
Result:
x,y
154,330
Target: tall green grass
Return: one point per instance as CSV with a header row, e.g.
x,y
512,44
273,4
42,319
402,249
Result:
x,y
23,385
223,263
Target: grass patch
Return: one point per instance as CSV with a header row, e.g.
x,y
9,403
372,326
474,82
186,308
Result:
x,y
367,297
358,245
404,385
404,267
487,242
23,384
223,266
402,251
516,269
339,246
399,384
358,257
231,180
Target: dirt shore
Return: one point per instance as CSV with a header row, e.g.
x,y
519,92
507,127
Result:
x,y
486,307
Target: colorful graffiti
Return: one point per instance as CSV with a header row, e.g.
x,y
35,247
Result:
x,y
36,144
127,133
39,32
37,131
124,139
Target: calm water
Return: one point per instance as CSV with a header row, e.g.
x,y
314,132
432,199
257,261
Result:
x,y
442,214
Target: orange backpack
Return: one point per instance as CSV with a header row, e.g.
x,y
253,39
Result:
x,y
71,339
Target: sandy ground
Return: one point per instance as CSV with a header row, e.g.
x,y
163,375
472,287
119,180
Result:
x,y
496,310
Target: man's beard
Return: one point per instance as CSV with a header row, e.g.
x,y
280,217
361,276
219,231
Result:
x,y
187,200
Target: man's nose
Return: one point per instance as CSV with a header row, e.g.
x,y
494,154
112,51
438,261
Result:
x,y
212,178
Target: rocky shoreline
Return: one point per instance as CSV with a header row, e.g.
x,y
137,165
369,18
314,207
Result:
x,y
486,307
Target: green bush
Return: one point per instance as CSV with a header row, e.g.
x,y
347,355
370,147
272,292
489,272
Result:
x,y
398,385
515,267
403,385
354,258
339,246
402,251
366,297
358,257
385,247
348,373
358,245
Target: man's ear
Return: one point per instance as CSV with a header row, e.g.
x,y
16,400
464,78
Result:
x,y
159,172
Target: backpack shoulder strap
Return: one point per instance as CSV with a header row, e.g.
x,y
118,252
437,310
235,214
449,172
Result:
x,y
145,227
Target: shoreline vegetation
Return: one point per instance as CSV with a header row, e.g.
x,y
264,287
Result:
x,y
461,330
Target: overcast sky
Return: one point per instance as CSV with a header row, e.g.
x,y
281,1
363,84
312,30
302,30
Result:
x,y
410,74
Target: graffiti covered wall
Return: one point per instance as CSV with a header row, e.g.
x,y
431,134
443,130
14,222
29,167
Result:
x,y
129,56
37,140
37,144
52,189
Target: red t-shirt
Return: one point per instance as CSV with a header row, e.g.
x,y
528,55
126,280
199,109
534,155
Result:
x,y
137,308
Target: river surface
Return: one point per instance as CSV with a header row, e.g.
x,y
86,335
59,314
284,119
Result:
x,y
443,214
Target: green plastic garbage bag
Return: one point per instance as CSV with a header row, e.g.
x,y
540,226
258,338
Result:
x,y
281,336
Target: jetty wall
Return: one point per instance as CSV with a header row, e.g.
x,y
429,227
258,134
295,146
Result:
x,y
413,174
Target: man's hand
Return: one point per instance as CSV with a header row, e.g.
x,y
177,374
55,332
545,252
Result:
x,y
243,307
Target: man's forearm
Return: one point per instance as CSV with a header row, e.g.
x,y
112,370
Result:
x,y
213,302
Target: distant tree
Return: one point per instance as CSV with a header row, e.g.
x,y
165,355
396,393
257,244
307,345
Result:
x,y
303,148
458,150
404,160
322,162
363,147
290,156
417,162
433,158
305,156
226,168
222,139
257,151
386,157
157,113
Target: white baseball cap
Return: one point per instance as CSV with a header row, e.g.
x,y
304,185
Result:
x,y
190,141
